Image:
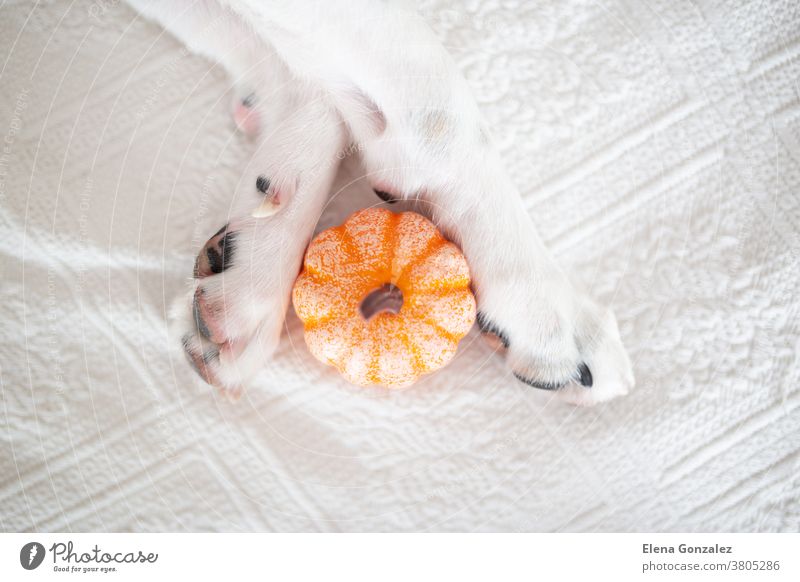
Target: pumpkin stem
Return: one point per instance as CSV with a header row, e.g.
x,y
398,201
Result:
x,y
386,298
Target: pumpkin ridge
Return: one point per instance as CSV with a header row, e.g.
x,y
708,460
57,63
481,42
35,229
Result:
x,y
441,291
349,243
352,241
413,348
374,359
323,277
441,331
445,287
317,275
340,282
341,365
361,332
320,275
353,248
313,323
434,244
391,245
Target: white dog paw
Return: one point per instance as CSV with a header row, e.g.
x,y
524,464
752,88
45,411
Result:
x,y
557,340
229,324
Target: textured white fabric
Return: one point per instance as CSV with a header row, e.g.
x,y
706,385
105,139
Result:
x,y
657,146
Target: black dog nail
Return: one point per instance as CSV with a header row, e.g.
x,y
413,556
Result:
x,y
586,375
386,197
198,318
487,326
216,255
193,361
190,354
210,354
215,261
186,341
262,184
196,273
199,361
539,385
219,260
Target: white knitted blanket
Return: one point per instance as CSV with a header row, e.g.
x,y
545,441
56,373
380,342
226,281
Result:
x,y
657,145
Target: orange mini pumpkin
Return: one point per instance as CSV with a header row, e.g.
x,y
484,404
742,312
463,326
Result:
x,y
384,298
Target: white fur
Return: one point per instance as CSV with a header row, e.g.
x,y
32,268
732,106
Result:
x,y
329,72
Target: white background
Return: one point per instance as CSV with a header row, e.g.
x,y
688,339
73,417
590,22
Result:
x,y
656,146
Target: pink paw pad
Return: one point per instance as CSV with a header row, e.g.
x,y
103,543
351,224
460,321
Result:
x,y
245,118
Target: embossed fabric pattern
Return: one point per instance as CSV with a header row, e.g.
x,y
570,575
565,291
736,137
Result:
x,y
657,147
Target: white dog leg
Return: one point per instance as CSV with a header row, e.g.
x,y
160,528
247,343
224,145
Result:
x,y
422,137
230,320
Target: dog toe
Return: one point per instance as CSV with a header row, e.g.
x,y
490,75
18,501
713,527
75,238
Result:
x,y
245,115
217,254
